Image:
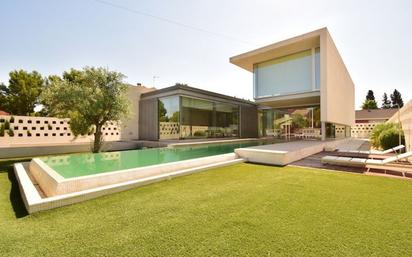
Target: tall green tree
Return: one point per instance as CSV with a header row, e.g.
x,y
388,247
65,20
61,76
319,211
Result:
x,y
4,101
370,96
396,99
386,104
369,104
90,98
22,93
49,81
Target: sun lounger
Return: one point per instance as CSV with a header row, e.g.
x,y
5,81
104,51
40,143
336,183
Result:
x,y
373,152
385,164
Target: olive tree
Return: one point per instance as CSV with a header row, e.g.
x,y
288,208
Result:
x,y
90,97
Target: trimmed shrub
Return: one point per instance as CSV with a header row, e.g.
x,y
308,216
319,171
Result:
x,y
10,132
12,119
374,137
390,138
6,125
199,134
386,135
2,130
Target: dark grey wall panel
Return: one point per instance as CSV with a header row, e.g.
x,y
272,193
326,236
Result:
x,y
248,121
148,125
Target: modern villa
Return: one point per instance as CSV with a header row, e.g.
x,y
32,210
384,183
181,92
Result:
x,y
301,87
302,79
302,91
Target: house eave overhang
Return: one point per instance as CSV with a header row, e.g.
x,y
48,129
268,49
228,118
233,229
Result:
x,y
279,49
291,100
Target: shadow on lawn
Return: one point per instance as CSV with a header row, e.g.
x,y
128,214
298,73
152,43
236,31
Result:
x,y
15,197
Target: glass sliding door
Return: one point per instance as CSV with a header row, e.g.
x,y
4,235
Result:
x,y
183,117
169,115
227,120
197,118
291,123
206,119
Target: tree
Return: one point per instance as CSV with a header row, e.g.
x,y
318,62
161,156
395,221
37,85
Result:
x,y
396,99
369,104
299,121
370,96
22,94
90,98
4,101
175,117
50,80
386,104
181,84
2,129
162,112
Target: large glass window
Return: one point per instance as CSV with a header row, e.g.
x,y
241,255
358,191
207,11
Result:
x,y
287,75
168,109
186,117
291,123
227,120
197,118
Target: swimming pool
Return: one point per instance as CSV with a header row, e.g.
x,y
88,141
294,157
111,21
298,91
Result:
x,y
50,182
84,164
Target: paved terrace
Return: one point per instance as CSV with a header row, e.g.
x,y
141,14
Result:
x,y
285,153
314,161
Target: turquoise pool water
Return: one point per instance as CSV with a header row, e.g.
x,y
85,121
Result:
x,y
76,165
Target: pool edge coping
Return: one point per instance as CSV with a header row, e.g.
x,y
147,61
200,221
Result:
x,y
35,203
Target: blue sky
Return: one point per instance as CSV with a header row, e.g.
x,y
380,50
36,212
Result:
x,y
373,37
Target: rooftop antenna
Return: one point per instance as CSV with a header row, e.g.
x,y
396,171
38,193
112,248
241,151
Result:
x,y
154,79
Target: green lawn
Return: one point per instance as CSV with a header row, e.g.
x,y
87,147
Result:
x,y
241,210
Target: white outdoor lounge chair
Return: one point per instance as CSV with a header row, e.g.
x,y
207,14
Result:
x,y
385,164
374,152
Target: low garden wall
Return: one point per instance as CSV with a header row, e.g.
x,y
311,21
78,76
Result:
x,y
33,131
363,130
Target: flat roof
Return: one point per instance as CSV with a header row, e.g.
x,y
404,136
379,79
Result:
x,y
182,89
375,114
282,48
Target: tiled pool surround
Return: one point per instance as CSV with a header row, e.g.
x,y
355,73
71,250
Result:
x,y
64,174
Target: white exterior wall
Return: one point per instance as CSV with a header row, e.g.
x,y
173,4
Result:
x,y
405,117
130,126
337,88
48,131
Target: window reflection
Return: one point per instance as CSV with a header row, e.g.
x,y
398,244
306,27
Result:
x,y
186,117
168,109
291,123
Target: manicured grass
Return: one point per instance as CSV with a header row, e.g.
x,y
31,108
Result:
x,y
241,210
